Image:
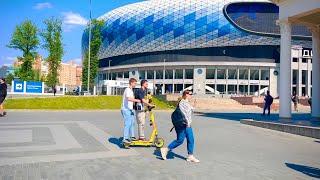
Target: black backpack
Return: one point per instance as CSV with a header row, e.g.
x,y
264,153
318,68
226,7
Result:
x,y
178,119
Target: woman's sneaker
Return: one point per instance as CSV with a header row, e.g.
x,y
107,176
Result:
x,y
164,153
191,158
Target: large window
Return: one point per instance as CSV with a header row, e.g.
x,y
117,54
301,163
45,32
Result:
x,y
254,89
221,74
243,89
304,76
254,74
150,74
169,74
232,89
221,88
210,89
243,74
178,88
159,74
189,74
178,74
120,75
142,74
232,74
211,73
264,74
294,76
126,74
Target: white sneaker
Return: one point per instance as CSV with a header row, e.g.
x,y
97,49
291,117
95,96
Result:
x,y
191,158
164,153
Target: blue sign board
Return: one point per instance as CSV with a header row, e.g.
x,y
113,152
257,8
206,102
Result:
x,y
18,86
33,87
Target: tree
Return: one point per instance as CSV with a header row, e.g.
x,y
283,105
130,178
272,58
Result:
x,y
52,36
25,39
96,41
9,78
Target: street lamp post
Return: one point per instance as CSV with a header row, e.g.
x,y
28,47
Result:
x,y
164,76
109,69
89,58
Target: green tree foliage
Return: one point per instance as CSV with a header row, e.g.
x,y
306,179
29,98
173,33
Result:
x,y
25,39
9,78
96,41
52,36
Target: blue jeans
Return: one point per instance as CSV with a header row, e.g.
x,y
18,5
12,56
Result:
x,y
181,135
128,117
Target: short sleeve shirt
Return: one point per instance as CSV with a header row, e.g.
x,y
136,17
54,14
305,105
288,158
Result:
x,y
126,104
140,94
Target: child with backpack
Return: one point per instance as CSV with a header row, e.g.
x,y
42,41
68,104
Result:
x,y
181,119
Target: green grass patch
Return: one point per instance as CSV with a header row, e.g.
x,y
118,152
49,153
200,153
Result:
x,y
73,103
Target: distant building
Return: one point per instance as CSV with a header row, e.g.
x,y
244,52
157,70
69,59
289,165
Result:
x,y
5,70
38,65
70,74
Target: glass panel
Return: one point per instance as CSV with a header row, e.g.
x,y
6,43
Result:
x,y
113,76
150,74
168,88
169,74
221,74
142,74
265,75
159,74
254,89
304,76
243,74
221,88
294,76
254,74
211,73
243,89
232,74
126,74
119,74
188,85
104,76
189,74
178,88
232,89
178,74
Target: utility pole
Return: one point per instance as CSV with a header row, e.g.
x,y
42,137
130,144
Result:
x,y
109,70
89,58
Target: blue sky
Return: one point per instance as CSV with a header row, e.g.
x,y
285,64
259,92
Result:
x,y
73,13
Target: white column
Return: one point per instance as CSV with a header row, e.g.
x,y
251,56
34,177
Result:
x,y
316,72
285,69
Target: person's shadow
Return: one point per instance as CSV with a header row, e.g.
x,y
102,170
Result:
x,y
171,155
116,141
307,170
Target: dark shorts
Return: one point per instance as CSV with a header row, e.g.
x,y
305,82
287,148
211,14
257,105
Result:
x,y
2,98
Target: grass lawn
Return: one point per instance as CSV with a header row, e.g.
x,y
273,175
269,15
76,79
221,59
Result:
x,y
74,103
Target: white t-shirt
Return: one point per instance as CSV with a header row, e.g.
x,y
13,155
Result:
x,y
126,104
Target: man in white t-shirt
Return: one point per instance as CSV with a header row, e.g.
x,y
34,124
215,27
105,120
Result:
x,y
128,112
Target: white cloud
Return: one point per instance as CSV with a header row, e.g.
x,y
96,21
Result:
x,y
9,58
45,5
71,18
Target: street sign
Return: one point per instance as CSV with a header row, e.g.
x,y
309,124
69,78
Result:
x,y
33,87
18,86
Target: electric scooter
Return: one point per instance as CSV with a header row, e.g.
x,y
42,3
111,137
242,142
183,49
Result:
x,y
154,139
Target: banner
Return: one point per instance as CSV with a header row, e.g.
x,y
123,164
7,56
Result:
x,y
33,87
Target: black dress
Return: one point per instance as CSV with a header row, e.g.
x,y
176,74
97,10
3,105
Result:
x,y
3,92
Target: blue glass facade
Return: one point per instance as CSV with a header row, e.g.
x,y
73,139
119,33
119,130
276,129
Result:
x,y
157,26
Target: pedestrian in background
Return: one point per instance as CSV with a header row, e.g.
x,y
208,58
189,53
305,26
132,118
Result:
x,y
295,101
3,95
268,100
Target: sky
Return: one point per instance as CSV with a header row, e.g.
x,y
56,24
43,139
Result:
x,y
73,13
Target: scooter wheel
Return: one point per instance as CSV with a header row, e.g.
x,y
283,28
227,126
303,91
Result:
x,y
159,142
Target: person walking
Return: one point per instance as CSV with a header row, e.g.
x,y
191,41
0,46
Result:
x,y
295,101
127,111
3,95
268,100
141,94
184,131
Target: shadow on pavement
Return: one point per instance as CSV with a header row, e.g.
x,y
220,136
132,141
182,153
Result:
x,y
317,141
116,141
309,171
171,155
297,118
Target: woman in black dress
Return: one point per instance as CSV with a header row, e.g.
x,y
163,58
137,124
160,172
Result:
x,y
3,95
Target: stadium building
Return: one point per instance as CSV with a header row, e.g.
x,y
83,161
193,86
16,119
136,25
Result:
x,y
227,47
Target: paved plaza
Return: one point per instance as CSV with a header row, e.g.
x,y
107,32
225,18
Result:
x,y
86,145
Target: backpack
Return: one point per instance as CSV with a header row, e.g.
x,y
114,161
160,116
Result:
x,y
178,119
